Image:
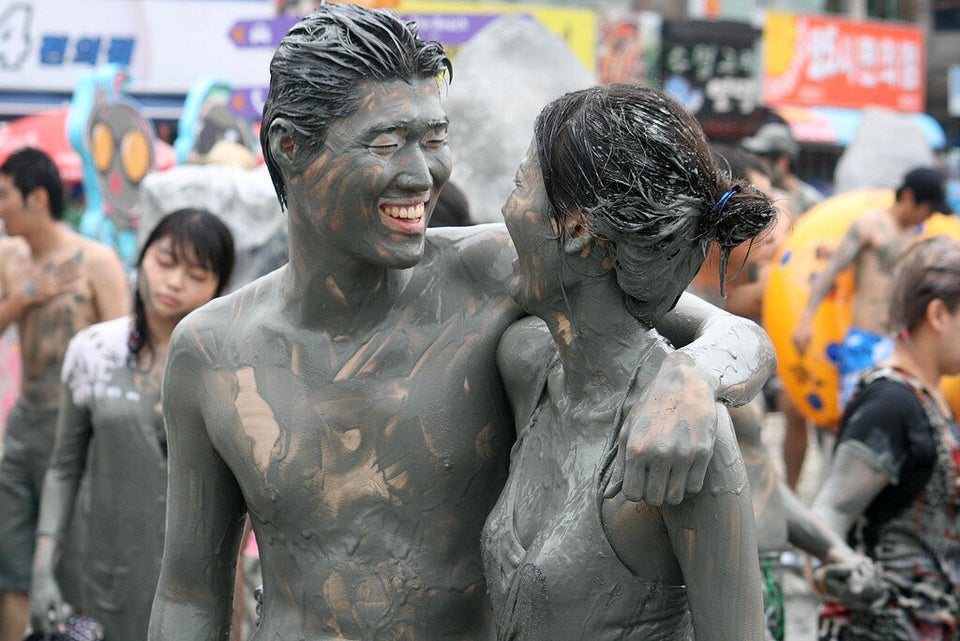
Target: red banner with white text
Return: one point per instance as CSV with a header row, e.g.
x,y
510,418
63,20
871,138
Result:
x,y
818,60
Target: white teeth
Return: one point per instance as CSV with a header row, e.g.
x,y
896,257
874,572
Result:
x,y
409,212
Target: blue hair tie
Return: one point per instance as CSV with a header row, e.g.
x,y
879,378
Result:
x,y
724,199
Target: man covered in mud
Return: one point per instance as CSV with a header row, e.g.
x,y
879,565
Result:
x,y
349,402
53,283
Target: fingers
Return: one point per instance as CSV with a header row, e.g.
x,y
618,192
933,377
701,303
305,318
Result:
x,y
647,483
698,472
615,478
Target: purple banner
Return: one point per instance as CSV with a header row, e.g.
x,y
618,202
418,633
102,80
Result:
x,y
454,29
247,102
261,33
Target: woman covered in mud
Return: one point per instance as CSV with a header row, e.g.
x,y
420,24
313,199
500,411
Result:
x,y
112,373
615,205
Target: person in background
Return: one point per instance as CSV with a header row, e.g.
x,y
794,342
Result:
x,y
891,487
110,430
774,143
53,283
782,518
871,245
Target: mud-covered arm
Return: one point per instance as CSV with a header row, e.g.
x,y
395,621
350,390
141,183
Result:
x,y
714,539
850,485
61,483
732,354
22,286
205,510
668,434
524,352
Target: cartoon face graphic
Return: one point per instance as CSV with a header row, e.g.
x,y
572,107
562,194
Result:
x,y
121,143
218,123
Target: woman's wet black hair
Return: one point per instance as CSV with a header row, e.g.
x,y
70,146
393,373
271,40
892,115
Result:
x,y
196,235
637,168
317,70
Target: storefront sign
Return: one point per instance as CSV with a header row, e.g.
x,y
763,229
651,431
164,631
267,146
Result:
x,y
816,60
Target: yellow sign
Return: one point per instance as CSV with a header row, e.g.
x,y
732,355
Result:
x,y
577,27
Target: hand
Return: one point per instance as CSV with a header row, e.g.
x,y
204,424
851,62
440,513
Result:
x,y
666,439
856,584
48,611
49,281
802,335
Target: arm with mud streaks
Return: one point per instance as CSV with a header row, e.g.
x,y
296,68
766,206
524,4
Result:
x,y
205,508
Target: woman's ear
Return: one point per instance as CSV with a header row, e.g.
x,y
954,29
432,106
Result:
x,y
282,143
937,315
577,239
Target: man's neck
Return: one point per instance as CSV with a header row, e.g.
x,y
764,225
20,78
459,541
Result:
x,y
344,296
45,239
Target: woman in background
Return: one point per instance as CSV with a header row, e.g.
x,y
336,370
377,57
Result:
x,y
891,487
111,408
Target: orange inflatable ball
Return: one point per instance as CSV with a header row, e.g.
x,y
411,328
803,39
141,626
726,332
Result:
x,y
811,379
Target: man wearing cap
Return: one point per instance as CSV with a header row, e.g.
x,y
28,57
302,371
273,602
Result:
x,y
872,244
776,146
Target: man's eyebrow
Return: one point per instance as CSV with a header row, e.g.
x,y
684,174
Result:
x,y
403,125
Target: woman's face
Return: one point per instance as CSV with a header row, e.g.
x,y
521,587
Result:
x,y
527,214
949,350
173,284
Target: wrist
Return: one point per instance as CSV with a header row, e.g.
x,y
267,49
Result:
x,y
684,366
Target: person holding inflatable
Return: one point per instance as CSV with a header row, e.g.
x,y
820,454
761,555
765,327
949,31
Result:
x,y
872,245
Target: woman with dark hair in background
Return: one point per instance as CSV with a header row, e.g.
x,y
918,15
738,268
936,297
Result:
x,y
615,206
891,486
111,405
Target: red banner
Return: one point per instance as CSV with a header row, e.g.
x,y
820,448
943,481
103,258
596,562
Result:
x,y
817,60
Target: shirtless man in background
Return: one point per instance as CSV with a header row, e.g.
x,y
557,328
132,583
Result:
x,y
350,402
53,283
872,244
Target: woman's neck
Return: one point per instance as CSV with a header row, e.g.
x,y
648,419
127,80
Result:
x,y
599,342
916,355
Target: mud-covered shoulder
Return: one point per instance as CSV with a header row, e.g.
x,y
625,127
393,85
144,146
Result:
x,y
523,355
227,320
484,251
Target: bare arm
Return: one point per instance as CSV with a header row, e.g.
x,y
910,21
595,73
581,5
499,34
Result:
x,y
523,354
734,355
23,285
668,434
205,511
111,288
850,486
60,486
853,242
715,542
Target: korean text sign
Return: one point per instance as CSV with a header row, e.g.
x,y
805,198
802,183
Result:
x,y
818,60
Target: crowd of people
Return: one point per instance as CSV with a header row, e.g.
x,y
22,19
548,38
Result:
x,y
534,430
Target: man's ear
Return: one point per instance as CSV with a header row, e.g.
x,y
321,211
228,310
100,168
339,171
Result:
x,y
38,200
283,147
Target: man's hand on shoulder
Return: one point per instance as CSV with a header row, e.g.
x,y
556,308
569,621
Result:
x,y
666,439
